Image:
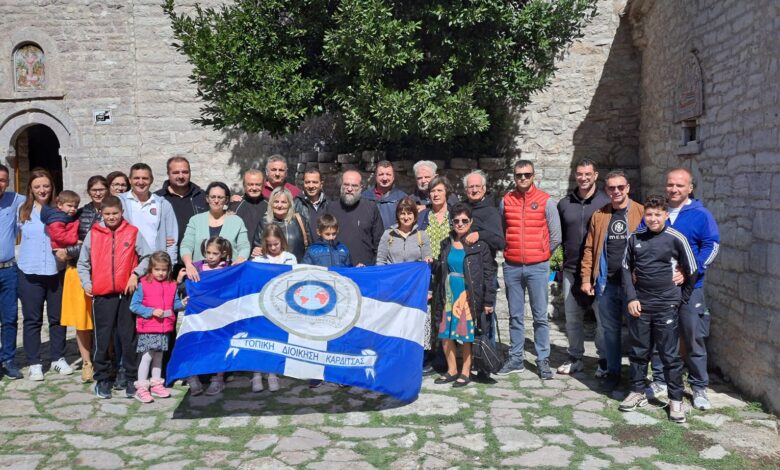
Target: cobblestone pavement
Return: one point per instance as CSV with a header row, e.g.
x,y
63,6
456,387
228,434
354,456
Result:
x,y
519,421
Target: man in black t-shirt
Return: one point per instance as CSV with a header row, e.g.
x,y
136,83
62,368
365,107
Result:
x,y
601,268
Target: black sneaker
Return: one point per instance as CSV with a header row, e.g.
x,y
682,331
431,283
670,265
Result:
x,y
130,389
120,383
428,370
543,367
103,389
9,368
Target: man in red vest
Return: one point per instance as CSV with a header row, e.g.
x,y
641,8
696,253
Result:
x,y
533,231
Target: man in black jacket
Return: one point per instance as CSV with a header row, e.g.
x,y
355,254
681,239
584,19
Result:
x,y
186,197
575,210
252,206
360,225
311,203
486,225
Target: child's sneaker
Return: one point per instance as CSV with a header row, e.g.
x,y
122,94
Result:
x,y
103,389
215,387
257,383
196,388
273,383
142,392
62,367
158,389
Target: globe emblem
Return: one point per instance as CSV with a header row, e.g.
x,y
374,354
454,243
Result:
x,y
313,298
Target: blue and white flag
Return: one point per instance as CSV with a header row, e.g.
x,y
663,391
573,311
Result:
x,y
353,326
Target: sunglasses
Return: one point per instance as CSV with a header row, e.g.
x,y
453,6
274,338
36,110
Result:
x,y
460,221
524,175
620,187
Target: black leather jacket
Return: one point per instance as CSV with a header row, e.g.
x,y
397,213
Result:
x,y
479,272
296,242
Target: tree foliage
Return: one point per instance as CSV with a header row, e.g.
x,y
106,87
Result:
x,y
391,69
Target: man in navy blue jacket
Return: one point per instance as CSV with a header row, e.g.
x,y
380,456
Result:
x,y
688,216
384,193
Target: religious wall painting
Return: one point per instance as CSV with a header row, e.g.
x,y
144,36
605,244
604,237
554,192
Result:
x,y
688,90
29,68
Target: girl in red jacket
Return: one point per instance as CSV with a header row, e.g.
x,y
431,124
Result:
x,y
154,303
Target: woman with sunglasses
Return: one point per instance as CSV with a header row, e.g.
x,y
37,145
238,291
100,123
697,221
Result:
x,y
465,292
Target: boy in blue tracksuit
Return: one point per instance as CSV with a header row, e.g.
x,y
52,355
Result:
x,y
327,252
652,253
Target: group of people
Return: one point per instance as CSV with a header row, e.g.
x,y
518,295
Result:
x,y
110,269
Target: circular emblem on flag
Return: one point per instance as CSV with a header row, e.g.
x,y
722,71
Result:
x,y
534,205
312,303
311,298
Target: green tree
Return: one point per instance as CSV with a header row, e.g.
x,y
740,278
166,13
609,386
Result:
x,y
392,70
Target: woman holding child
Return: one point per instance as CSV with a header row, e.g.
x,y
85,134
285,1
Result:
x,y
40,278
76,305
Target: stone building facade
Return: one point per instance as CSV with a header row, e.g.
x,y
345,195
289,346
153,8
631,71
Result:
x,y
88,87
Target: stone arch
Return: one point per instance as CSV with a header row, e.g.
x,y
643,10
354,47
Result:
x,y
14,121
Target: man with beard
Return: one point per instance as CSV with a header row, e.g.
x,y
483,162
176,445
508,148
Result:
x,y
424,172
276,175
384,194
360,225
575,210
186,197
311,203
252,206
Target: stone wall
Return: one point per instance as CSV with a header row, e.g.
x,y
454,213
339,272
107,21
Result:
x,y
591,107
737,168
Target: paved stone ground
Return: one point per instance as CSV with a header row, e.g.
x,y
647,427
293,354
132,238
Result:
x,y
519,421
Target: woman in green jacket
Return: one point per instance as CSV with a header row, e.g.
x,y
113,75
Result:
x,y
216,221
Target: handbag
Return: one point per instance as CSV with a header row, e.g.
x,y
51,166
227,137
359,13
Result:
x,y
487,357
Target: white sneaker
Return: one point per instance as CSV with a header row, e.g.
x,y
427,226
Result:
x,y
571,366
36,372
273,383
657,392
62,367
257,383
700,400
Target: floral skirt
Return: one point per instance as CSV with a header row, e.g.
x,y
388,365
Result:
x,y
152,342
457,323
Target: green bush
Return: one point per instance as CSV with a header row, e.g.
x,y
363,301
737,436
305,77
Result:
x,y
390,69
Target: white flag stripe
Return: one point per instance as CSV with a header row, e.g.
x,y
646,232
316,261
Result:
x,y
301,369
384,318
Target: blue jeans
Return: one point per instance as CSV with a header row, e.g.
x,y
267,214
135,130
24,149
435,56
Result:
x,y
612,307
9,313
532,277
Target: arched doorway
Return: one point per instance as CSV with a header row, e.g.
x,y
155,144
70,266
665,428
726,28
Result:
x,y
38,146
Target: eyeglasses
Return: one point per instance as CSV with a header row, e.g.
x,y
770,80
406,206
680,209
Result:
x,y
620,187
214,197
527,176
118,185
461,221
98,190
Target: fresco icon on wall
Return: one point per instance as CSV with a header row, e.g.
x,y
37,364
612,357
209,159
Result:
x,y
30,68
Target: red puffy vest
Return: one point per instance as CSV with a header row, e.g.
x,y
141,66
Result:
x,y
113,257
157,295
527,234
